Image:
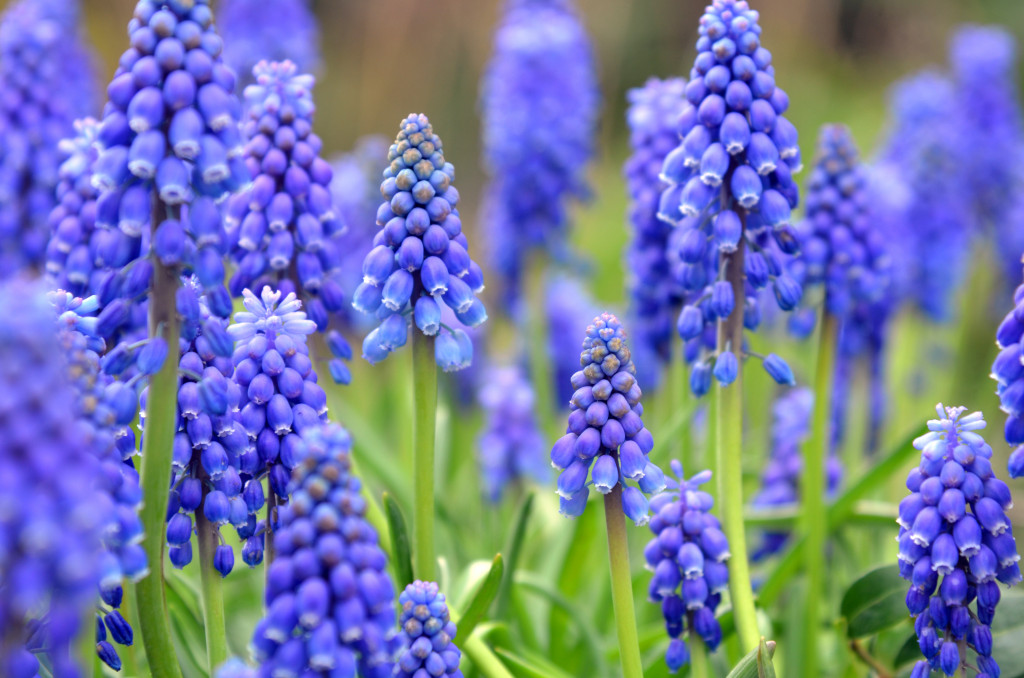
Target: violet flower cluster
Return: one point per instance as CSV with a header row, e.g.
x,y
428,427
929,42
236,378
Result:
x,y
606,442
329,597
955,545
688,557
1008,371
284,229
511,445
539,100
169,129
730,186
780,478
280,399
420,255
655,296
427,635
51,512
105,408
925,149
279,30
46,75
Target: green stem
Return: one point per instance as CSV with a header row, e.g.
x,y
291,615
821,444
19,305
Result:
x,y
214,621
87,658
486,662
729,461
269,551
537,330
424,382
698,657
679,395
813,488
155,475
622,585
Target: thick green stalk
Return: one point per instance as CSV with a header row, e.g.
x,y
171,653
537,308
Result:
x,y
729,460
484,659
813,487
622,585
214,621
155,475
698,657
537,335
424,383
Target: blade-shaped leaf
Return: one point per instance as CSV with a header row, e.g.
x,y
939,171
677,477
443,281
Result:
x,y
765,667
531,667
401,552
481,600
749,665
874,602
514,547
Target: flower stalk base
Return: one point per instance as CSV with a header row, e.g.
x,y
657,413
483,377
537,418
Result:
x,y
622,585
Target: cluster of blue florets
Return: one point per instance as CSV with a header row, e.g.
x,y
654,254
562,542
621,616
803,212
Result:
x,y
511,445
255,31
655,294
46,75
105,410
955,544
606,442
841,248
730,186
427,634
284,229
1008,371
687,556
780,479
420,256
540,103
171,129
53,512
329,597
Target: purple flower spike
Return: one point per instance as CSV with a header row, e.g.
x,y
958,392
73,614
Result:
x,y
427,634
688,556
255,31
954,578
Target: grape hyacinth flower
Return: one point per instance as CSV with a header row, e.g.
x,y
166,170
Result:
x,y
655,294
279,30
47,76
539,101
955,545
51,513
1008,371
280,400
104,410
606,442
511,445
984,69
730,190
284,228
329,597
688,557
925,148
420,255
780,479
428,634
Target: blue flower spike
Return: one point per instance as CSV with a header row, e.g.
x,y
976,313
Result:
x,y
688,557
420,256
956,545
1008,371
254,31
427,634
606,442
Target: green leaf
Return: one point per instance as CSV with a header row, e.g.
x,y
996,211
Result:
x,y
186,625
765,667
481,600
750,665
514,547
909,653
401,551
533,666
1007,632
536,584
874,602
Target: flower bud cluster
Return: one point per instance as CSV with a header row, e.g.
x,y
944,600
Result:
x,y
606,442
255,31
284,229
48,80
329,597
655,294
540,105
688,557
427,634
730,187
1008,371
420,255
955,544
511,445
